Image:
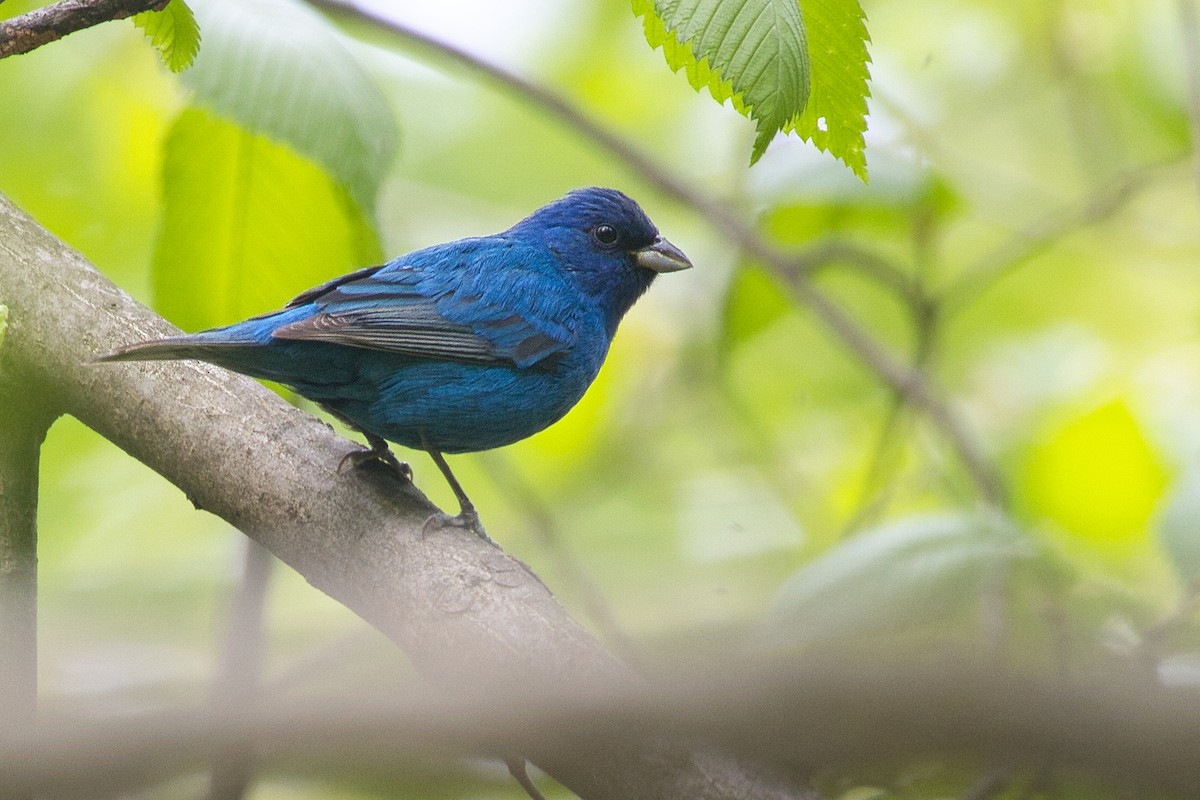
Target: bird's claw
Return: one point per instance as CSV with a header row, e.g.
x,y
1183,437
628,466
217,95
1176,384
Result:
x,y
386,458
468,519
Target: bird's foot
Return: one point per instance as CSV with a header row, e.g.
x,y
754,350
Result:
x,y
374,455
468,519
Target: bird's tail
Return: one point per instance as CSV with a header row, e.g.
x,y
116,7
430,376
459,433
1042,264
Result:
x,y
246,347
226,346
172,348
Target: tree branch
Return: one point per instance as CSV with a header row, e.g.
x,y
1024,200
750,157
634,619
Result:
x,y
833,715
466,613
44,25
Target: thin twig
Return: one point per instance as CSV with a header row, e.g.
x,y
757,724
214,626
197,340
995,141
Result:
x,y
927,318
44,25
516,768
1049,230
911,383
595,604
873,265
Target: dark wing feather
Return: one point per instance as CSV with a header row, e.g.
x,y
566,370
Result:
x,y
404,330
468,313
325,288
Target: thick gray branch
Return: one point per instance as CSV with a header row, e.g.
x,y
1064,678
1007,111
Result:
x,y
464,611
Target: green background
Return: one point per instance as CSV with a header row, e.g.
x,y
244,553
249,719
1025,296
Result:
x,y
735,474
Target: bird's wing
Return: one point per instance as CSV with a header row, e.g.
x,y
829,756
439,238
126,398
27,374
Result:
x,y
469,306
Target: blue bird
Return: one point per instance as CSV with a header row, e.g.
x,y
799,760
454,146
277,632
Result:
x,y
458,347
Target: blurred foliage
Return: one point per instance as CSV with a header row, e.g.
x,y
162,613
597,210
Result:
x,y
278,69
265,207
1029,239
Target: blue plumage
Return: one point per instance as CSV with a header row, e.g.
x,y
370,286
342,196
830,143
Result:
x,y
462,346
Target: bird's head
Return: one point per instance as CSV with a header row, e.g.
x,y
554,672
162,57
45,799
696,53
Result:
x,y
606,242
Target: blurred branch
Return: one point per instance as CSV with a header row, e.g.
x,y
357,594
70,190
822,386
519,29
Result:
x,y
51,23
913,384
877,267
241,671
23,426
516,768
876,492
468,615
1051,228
1189,31
790,715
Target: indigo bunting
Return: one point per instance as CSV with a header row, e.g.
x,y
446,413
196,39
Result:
x,y
457,347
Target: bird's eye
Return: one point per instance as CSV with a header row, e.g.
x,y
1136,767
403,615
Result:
x,y
605,235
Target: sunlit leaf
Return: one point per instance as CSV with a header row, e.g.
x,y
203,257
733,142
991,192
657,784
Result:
x,y
902,574
247,223
1098,477
786,66
835,117
278,68
3,322
753,52
1179,529
173,32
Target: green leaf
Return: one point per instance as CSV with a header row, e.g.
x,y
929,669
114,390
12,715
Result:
x,y
754,53
247,224
786,68
902,574
835,118
1179,529
278,68
3,322
173,32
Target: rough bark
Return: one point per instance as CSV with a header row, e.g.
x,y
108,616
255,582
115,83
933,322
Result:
x,y
44,25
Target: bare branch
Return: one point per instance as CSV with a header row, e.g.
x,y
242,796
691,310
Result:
x,y
44,25
465,612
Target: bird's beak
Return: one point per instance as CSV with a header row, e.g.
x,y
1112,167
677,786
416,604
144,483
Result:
x,y
661,256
